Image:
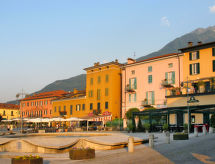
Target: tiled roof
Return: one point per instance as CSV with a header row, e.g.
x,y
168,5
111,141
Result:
x,y
57,93
8,106
72,95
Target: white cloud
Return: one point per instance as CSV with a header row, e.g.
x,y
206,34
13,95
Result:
x,y
212,9
165,21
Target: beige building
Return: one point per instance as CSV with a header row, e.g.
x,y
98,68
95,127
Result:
x,y
9,111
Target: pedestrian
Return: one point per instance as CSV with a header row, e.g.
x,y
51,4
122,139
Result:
x,y
8,127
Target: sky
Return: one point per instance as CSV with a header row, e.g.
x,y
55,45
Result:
x,y
42,41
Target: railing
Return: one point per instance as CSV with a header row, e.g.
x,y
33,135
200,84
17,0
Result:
x,y
167,83
129,89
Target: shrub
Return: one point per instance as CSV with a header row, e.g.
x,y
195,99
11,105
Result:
x,y
147,126
165,127
140,126
212,121
130,112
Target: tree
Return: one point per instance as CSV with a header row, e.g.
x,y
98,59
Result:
x,y
130,112
140,126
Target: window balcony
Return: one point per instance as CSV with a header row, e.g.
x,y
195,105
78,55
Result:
x,y
62,113
166,83
129,89
145,103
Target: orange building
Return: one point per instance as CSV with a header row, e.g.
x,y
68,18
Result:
x,y
39,105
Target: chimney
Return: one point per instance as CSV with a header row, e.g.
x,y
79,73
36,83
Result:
x,y
130,61
116,61
190,44
199,43
96,64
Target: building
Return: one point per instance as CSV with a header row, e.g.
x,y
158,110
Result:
x,y
9,111
198,81
145,83
39,105
102,97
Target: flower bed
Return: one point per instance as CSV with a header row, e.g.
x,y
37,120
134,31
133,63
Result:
x,y
81,153
180,136
27,160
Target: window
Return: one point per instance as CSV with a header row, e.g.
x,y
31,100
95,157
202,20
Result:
x,y
133,72
50,111
132,97
194,55
55,109
64,108
41,103
149,68
149,78
11,113
133,83
23,104
170,65
106,105
106,91
194,69
78,107
27,104
91,106
98,94
91,93
170,77
99,79
150,98
213,51
70,109
106,78
83,106
32,103
91,81
213,65
59,108
99,107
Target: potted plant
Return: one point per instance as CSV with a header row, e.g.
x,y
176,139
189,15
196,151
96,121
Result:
x,y
130,126
185,128
147,127
180,136
27,159
165,127
81,153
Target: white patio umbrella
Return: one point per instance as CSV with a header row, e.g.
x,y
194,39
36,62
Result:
x,y
74,119
58,119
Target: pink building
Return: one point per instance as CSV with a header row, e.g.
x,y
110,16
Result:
x,y
145,82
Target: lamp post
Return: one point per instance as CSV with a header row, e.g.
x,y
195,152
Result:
x,y
22,94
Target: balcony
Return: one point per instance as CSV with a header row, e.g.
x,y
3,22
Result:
x,y
129,89
145,103
62,113
97,112
166,83
195,88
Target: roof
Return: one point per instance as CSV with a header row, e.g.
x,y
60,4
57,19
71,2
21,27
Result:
x,y
153,58
72,95
57,93
8,106
98,65
198,47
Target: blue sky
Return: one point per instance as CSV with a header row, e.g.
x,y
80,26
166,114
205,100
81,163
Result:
x,y
43,41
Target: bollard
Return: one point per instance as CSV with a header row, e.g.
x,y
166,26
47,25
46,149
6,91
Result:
x,y
196,131
211,130
151,140
130,144
167,137
204,130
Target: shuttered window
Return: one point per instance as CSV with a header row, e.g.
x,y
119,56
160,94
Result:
x,y
213,51
213,65
149,78
194,69
194,55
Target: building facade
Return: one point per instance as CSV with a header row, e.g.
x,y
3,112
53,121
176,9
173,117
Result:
x,y
145,83
39,105
9,111
198,81
102,96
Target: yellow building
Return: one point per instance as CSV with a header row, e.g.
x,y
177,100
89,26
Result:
x,y
198,80
102,96
9,111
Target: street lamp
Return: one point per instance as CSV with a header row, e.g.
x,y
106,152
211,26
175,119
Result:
x,y
191,100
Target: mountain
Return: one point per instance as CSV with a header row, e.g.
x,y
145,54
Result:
x,y
201,34
79,82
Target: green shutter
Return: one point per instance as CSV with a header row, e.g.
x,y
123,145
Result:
x,y
153,97
135,83
129,83
190,55
166,76
198,68
147,98
197,54
135,97
213,65
173,77
190,69
213,51
129,97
